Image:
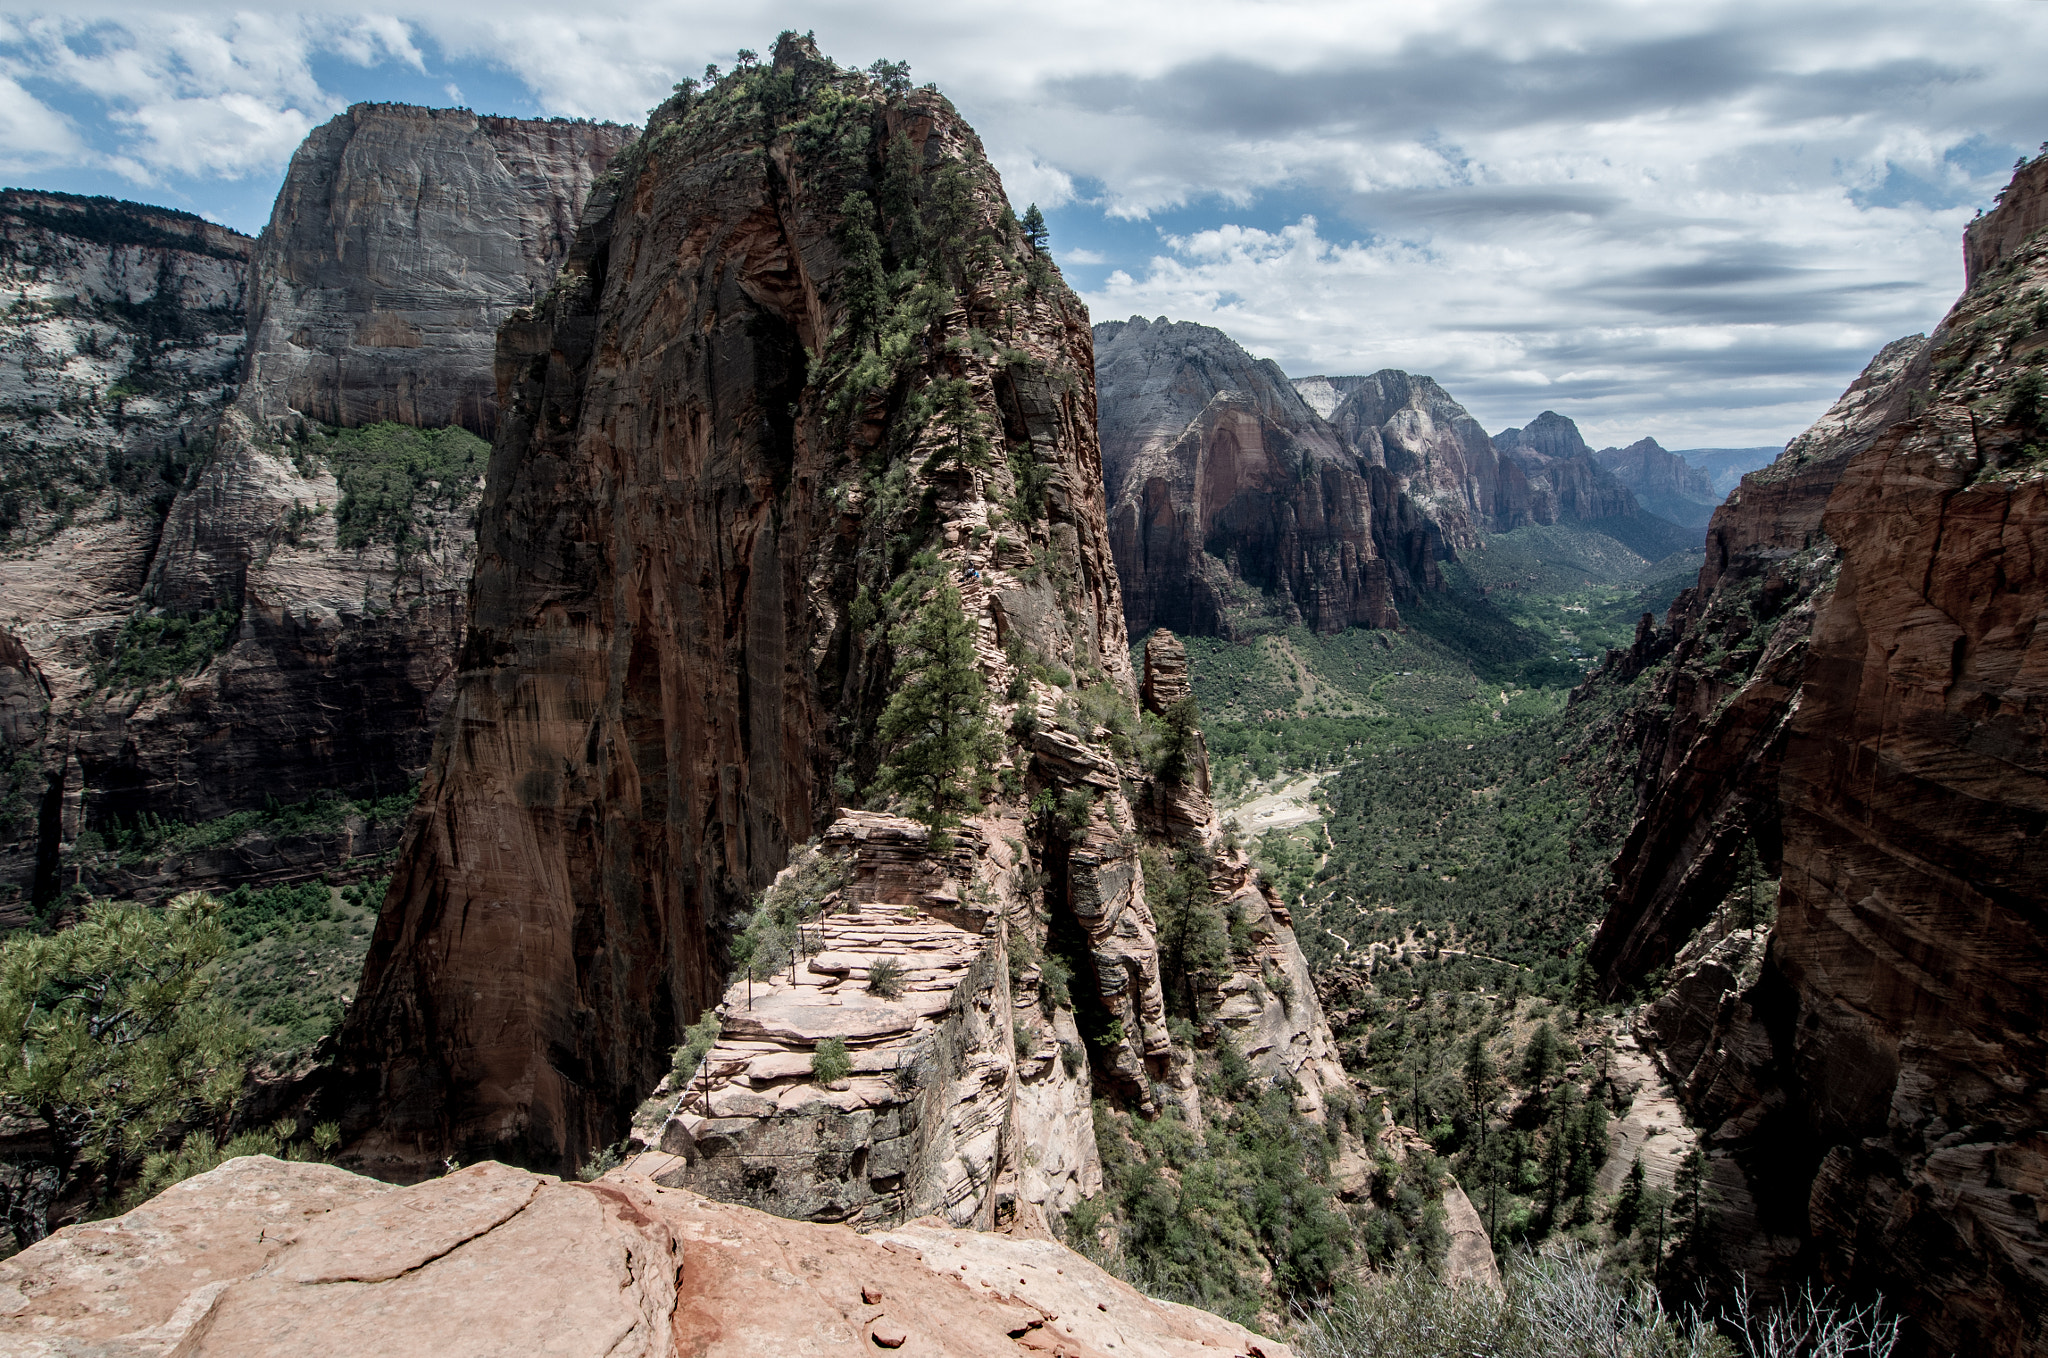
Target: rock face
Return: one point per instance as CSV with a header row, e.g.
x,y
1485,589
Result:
x,y
121,347
1709,738
400,239
1868,1078
1566,482
949,1073
671,685
1229,495
259,1256
1438,453
1662,482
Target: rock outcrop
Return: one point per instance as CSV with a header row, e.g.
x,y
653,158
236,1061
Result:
x,y
260,1257
1869,1078
1663,483
213,638
1708,739
715,499
1229,496
402,238
1567,484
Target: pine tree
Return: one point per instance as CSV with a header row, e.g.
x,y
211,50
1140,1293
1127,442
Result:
x,y
936,725
110,1030
1540,1059
1628,1205
867,289
1034,228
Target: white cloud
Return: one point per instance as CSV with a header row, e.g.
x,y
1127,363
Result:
x,y
33,136
1667,218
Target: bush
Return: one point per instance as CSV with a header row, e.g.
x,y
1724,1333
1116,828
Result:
x,y
1559,1306
830,1063
698,1040
885,978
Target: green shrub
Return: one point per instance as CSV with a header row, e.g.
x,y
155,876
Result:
x,y
830,1063
111,1031
885,978
390,472
149,650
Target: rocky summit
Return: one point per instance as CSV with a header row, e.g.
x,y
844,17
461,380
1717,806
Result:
x,y
260,1256
675,672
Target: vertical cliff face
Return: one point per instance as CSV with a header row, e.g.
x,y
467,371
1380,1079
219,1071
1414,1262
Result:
x,y
311,655
1725,668
122,344
1437,452
1566,483
1229,495
402,238
1868,1067
728,448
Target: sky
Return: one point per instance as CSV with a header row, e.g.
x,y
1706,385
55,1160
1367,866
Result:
x,y
1693,222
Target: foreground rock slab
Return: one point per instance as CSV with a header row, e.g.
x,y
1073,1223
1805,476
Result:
x,y
261,1256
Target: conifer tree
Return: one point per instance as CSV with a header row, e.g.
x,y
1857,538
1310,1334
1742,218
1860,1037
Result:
x,y
867,288
1628,1206
1034,228
110,1030
936,725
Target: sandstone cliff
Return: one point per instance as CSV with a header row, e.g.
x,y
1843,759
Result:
x,y
262,1257
722,459
1229,496
122,343
1866,1068
1437,452
401,239
231,641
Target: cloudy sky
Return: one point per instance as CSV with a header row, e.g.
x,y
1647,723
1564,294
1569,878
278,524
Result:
x,y
1689,221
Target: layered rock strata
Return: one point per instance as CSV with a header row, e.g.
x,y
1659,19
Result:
x,y
1726,664
401,238
956,1057
712,498
260,1256
1568,484
1438,454
121,345
1230,496
1868,1076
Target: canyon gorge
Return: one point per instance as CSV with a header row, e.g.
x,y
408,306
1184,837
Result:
x,y
555,513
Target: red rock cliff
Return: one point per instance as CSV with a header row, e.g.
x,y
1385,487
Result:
x,y
1870,1077
1229,496
664,672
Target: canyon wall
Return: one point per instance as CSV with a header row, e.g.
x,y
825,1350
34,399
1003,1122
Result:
x,y
216,628
1438,454
1229,496
733,463
1854,691
119,348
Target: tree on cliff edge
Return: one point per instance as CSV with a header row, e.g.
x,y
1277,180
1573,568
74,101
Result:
x,y
936,725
